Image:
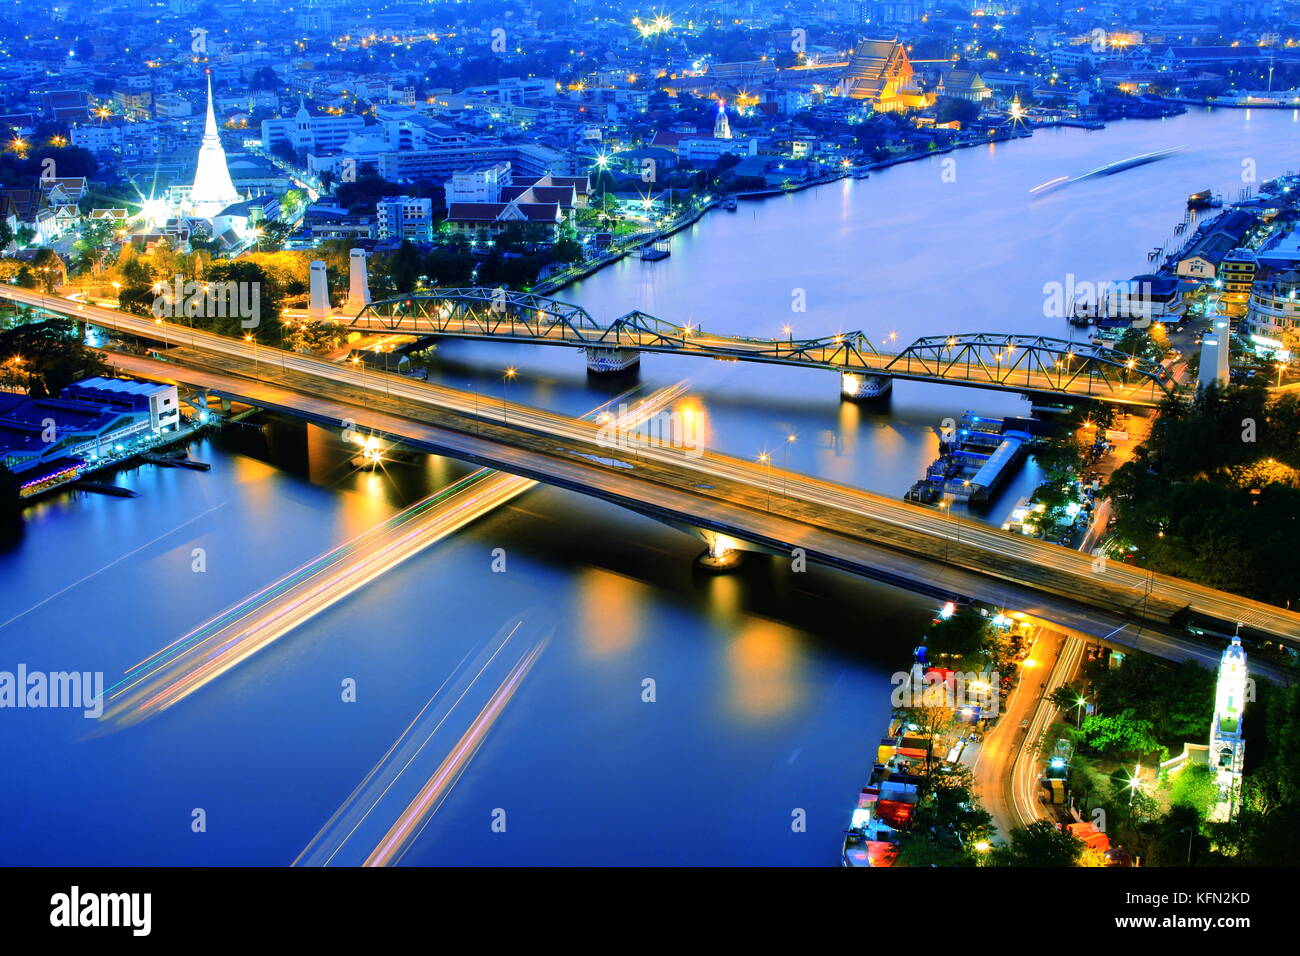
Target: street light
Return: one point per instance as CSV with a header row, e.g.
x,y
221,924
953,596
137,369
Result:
x,y
505,410
765,459
946,505
379,347
785,465
249,338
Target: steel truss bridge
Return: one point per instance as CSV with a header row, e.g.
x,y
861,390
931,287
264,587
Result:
x,y
1022,363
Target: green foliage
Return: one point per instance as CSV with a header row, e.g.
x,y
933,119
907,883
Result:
x,y
959,640
1039,844
1176,700
1185,504
1194,787
51,353
269,295
954,109
1120,734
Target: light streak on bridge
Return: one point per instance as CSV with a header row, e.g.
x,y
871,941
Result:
x,y
845,527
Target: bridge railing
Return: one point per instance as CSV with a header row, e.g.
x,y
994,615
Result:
x,y
1034,362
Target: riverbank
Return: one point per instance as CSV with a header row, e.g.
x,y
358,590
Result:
x,y
69,479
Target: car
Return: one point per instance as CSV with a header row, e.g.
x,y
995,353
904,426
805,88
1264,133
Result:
x,y
1024,724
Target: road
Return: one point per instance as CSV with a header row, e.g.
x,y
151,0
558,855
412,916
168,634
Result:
x,y
1026,769
712,490
1009,765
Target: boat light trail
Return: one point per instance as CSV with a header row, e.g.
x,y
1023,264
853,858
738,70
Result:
x,y
1110,168
201,656
399,796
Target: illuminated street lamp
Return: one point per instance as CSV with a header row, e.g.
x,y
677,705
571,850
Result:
x,y
785,465
505,411
765,459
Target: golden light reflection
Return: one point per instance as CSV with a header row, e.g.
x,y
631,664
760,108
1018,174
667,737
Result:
x,y
612,608
765,680
724,597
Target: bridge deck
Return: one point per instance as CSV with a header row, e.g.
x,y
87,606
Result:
x,y
712,490
1025,363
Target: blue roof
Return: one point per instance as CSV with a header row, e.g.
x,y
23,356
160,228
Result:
x,y
988,474
121,386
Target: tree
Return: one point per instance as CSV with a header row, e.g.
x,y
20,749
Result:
x,y
49,268
954,109
291,204
51,355
1120,734
1195,787
960,638
1039,844
404,266
250,282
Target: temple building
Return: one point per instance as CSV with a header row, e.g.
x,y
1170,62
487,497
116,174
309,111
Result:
x,y
880,71
213,189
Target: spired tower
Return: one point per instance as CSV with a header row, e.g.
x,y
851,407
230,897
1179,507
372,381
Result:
x,y
213,189
722,126
302,138
1227,754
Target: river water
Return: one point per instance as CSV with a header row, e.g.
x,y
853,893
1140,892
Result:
x,y
770,687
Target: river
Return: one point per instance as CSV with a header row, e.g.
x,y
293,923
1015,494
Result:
x,y
770,686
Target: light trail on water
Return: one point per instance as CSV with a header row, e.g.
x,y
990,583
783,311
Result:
x,y
395,801
196,659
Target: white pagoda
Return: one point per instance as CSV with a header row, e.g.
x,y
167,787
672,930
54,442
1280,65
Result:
x,y
213,189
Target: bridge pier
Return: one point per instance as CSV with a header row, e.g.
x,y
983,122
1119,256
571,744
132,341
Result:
x,y
358,282
318,287
721,556
857,387
607,361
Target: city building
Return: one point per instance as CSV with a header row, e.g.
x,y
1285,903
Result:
x,y
485,220
1237,274
1212,243
405,217
479,185
1225,754
721,125
1274,303
42,439
312,134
